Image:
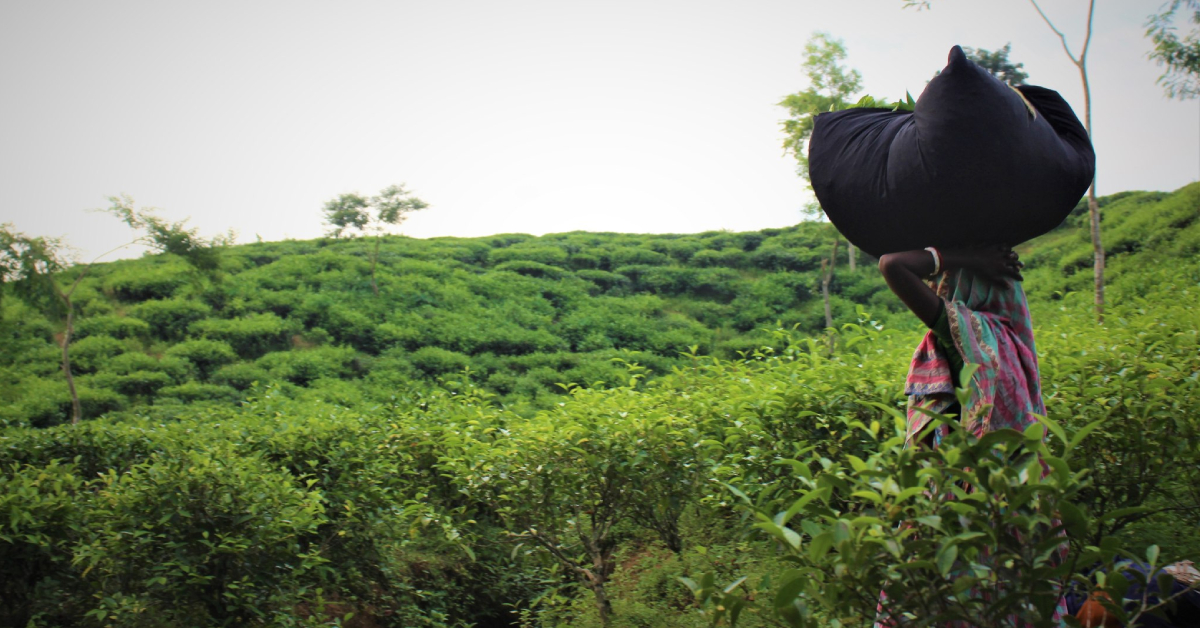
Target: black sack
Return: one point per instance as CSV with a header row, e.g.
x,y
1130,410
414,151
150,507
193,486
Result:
x,y
973,164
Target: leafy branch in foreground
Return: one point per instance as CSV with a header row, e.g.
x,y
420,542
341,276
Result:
x,y
917,535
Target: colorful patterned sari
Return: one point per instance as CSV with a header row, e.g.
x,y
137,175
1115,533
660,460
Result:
x,y
992,330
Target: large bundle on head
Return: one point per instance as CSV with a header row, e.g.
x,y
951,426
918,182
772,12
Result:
x,y
976,162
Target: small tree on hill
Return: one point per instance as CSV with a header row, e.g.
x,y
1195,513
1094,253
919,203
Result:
x,y
831,87
171,237
998,64
350,213
1180,56
31,266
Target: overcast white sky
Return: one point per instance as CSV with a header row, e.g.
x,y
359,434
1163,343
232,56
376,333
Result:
x,y
505,115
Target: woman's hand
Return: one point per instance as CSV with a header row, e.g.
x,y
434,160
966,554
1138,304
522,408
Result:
x,y
997,263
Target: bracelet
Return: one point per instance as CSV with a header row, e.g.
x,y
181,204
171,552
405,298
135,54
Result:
x,y
937,259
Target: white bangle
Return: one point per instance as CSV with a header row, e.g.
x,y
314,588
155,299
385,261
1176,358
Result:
x,y
937,259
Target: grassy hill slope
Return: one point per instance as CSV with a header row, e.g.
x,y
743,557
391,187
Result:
x,y
523,313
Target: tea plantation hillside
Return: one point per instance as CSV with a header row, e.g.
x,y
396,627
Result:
x,y
275,445
523,313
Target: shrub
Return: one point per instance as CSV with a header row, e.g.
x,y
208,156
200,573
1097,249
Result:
x,y
114,326
540,255
134,384
637,256
345,323
250,336
434,361
39,515
581,261
94,447
301,367
530,269
140,284
190,392
91,353
205,355
777,258
169,319
666,280
221,539
727,257
48,402
240,376
509,339
608,282
134,361
22,326
966,532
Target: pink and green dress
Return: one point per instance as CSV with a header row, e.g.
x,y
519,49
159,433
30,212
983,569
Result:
x,y
989,326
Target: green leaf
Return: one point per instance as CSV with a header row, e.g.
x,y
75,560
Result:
x,y
1054,428
800,504
932,521
946,557
736,583
1084,432
820,545
790,590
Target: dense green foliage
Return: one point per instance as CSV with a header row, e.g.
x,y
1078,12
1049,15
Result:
x,y
523,313
301,452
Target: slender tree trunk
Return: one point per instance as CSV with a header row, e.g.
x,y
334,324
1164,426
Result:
x,y
853,254
374,262
826,279
1093,207
603,604
76,408
600,550
826,274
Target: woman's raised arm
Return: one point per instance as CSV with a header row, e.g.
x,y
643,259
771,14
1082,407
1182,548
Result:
x,y
905,272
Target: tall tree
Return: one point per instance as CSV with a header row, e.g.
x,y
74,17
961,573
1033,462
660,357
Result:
x,y
831,86
351,213
1180,56
1080,62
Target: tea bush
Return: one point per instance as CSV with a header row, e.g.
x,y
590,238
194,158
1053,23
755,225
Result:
x,y
249,337
39,516
113,326
205,355
158,282
93,352
303,367
169,319
199,537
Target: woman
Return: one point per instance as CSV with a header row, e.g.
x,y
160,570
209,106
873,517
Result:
x,y
977,314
